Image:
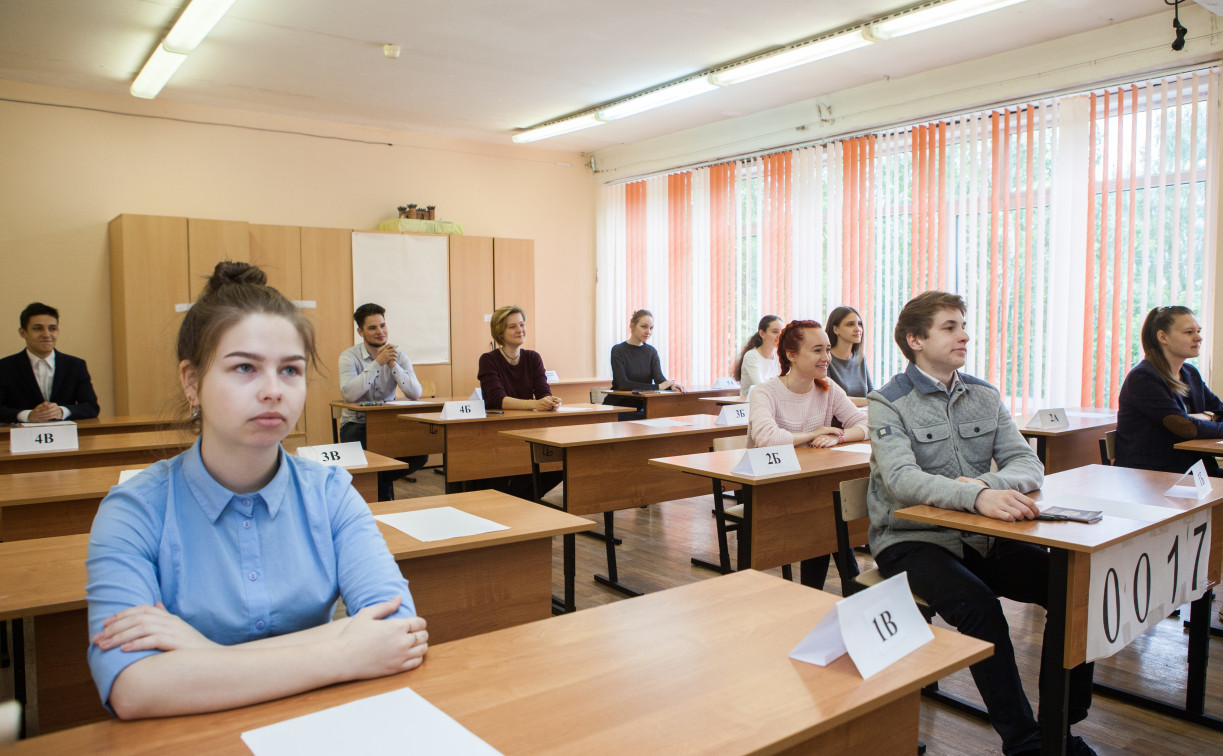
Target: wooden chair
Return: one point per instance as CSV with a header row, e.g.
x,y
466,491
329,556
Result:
x,y
849,504
1108,447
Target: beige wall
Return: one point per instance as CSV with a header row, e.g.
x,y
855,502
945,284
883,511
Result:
x,y
68,169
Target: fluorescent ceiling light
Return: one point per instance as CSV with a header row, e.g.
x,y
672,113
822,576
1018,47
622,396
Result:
x,y
558,128
657,98
194,24
160,66
791,58
934,15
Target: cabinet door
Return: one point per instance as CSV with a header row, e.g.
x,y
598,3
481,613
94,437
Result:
x,y
208,243
514,279
326,278
471,302
148,277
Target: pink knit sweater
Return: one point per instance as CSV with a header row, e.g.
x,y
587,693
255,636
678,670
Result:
x,y
777,413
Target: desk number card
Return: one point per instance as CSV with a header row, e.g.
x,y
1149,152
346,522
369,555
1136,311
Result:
x,y
1198,487
469,410
1050,419
725,383
732,414
334,455
876,627
43,439
550,376
768,460
477,395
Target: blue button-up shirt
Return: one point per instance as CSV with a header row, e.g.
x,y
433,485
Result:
x,y
235,567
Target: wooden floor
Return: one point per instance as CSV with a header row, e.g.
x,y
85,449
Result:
x,y
660,539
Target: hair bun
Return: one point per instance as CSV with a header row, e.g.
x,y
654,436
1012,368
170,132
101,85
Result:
x,y
231,272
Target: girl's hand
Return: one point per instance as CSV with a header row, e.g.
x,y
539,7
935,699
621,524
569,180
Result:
x,y
145,627
372,646
827,436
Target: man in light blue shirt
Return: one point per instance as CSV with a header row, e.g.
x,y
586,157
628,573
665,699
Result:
x,y
370,372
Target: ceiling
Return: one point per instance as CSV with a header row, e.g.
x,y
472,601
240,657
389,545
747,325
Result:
x,y
481,69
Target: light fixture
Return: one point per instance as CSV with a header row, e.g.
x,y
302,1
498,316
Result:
x,y
157,70
193,24
791,58
932,15
556,129
657,98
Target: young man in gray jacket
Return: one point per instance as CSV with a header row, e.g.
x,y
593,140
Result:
x,y
934,432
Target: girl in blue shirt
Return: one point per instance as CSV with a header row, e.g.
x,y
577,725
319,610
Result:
x,y
213,576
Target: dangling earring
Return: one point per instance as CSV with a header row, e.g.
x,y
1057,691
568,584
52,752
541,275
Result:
x,y
195,412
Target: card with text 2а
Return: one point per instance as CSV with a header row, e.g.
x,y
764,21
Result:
x,y
768,460
1196,487
468,410
43,439
335,455
1050,419
1136,583
877,627
732,414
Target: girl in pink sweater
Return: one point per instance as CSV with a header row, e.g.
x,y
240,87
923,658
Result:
x,y
798,407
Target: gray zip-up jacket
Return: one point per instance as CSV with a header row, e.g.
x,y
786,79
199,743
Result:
x,y
922,438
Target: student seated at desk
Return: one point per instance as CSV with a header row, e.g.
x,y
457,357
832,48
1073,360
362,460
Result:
x,y
41,384
512,377
1163,400
933,432
758,361
636,367
848,369
213,576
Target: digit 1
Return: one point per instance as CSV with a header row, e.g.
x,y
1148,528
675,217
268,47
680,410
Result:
x,y
1200,532
1174,556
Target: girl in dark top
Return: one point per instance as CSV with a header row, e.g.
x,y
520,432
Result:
x,y
1163,400
848,368
512,377
635,365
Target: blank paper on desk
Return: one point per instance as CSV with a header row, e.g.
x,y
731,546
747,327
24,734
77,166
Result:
x,y
439,523
396,722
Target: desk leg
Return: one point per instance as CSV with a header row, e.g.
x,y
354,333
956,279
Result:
x,y
814,572
19,681
613,574
566,605
1042,450
745,530
1055,688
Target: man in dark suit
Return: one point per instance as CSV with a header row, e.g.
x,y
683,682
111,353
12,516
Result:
x,y
40,384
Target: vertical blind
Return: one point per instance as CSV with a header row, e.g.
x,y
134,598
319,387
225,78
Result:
x,y
1061,221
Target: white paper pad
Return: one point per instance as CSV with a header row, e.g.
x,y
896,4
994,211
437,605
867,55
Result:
x,y
396,722
439,523
660,422
1089,414
408,403
860,448
1111,508
575,409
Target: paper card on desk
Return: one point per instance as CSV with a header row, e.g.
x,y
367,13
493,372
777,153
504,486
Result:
x,y
550,376
1049,419
476,396
43,438
396,722
46,424
440,523
126,475
725,383
732,414
660,422
468,410
859,448
1197,487
334,455
767,460
408,403
575,409
877,627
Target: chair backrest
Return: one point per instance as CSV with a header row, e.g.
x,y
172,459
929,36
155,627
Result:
x,y
853,499
428,388
597,394
1108,447
730,442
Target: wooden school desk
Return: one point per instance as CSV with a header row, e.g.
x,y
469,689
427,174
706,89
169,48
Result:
x,y
674,403
1072,547
386,435
577,390
462,586
138,449
606,467
474,450
788,517
1075,446
629,677
96,426
1211,446
63,502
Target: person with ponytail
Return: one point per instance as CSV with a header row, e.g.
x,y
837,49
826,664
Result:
x,y
758,361
848,369
212,577
797,408
1163,400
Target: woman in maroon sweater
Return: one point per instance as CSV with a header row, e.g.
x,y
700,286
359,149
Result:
x,y
512,377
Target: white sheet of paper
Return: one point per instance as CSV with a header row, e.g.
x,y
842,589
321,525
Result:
x,y
660,422
439,523
575,409
1088,414
860,448
126,475
1110,508
408,403
48,423
396,722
